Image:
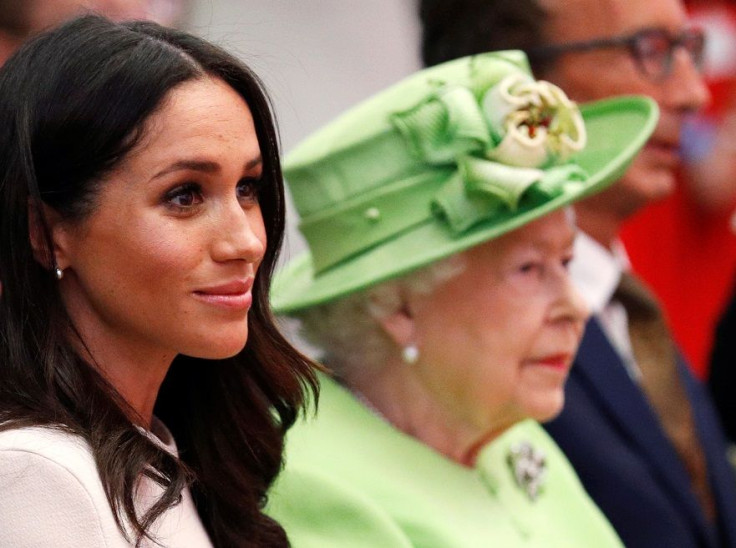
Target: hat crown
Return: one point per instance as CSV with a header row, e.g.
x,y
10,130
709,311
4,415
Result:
x,y
377,170
450,157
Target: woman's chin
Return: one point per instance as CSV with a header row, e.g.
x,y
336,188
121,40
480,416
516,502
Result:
x,y
549,408
218,350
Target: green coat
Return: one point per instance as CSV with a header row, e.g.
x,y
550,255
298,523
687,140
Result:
x,y
352,480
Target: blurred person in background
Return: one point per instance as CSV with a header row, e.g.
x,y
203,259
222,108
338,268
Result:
x,y
21,19
686,240
711,146
637,426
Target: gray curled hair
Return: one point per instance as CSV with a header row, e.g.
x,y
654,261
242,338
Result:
x,y
347,332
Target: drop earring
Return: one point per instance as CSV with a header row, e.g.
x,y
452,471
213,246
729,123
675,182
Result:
x,y
410,354
59,273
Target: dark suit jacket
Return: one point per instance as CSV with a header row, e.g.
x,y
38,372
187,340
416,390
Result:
x,y
615,442
722,378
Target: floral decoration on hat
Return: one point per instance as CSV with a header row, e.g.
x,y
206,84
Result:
x,y
535,122
517,140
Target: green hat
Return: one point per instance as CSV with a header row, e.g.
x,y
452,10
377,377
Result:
x,y
446,159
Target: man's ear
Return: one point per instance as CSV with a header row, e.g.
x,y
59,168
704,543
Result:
x,y
58,255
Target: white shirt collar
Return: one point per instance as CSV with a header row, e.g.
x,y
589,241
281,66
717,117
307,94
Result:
x,y
596,271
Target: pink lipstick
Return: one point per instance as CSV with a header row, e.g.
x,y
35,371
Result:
x,y
234,295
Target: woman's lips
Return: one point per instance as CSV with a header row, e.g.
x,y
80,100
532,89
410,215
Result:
x,y
556,361
235,294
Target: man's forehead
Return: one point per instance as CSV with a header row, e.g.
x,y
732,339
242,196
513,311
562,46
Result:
x,y
571,20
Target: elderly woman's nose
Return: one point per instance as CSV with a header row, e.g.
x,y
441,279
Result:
x,y
570,304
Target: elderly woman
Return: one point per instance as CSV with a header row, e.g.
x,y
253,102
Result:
x,y
437,288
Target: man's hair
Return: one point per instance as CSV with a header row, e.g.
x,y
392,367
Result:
x,y
456,28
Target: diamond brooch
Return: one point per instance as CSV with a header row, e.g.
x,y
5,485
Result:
x,y
529,468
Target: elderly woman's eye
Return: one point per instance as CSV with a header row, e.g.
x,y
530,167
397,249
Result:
x,y
184,196
530,267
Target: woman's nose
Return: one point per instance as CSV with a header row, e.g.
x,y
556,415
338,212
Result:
x,y
239,234
570,305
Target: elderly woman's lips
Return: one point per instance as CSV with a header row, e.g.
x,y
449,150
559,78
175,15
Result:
x,y
556,361
234,295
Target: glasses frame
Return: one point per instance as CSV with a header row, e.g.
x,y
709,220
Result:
x,y
634,44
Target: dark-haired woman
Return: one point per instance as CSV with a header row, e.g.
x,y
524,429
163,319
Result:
x,y
141,212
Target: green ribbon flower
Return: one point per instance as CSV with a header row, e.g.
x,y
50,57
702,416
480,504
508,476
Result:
x,y
501,147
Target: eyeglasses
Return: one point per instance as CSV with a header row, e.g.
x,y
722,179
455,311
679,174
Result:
x,y
653,49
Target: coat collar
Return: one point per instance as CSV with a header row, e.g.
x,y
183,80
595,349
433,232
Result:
x,y
599,366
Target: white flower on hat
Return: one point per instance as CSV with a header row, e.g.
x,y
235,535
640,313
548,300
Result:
x,y
534,122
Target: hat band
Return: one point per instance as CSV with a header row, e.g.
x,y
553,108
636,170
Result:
x,y
360,224
475,191
455,165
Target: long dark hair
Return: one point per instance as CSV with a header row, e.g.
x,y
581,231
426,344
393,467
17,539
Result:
x,y
73,103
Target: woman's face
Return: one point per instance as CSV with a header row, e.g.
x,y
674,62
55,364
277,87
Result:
x,y
497,341
165,262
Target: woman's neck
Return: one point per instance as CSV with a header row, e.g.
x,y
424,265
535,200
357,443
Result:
x,y
136,372
396,395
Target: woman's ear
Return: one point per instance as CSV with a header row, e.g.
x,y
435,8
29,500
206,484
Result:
x,y
399,326
59,237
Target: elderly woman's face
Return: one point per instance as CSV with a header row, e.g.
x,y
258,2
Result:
x,y
497,340
165,262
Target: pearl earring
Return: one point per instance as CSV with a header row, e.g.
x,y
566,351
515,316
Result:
x,y
410,354
59,273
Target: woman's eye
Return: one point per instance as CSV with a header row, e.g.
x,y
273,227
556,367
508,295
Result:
x,y
185,196
249,189
530,267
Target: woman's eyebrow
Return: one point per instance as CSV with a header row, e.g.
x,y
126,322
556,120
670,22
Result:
x,y
205,166
255,162
193,165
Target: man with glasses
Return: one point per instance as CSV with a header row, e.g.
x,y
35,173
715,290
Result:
x,y
652,49
639,429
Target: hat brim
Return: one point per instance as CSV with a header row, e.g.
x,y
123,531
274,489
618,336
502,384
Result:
x,y
617,128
